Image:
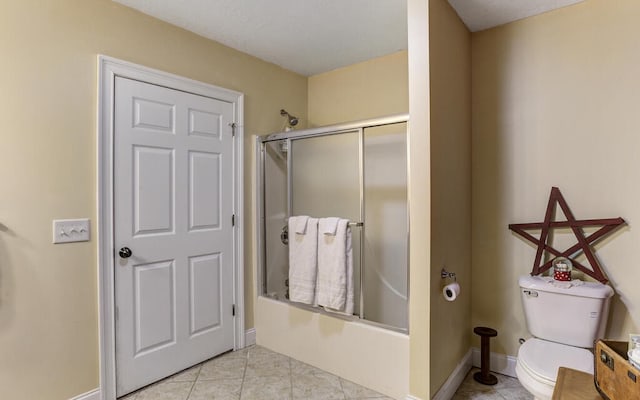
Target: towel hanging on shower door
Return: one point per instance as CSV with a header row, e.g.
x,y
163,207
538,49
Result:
x,y
303,259
335,266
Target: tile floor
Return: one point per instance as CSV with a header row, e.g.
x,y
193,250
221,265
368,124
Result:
x,y
256,373
507,388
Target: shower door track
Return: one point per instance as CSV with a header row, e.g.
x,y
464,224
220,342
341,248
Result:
x,y
334,129
290,136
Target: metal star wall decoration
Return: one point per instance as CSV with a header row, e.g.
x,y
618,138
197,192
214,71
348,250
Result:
x,y
583,244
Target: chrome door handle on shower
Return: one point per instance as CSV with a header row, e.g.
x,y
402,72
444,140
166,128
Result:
x,y
284,235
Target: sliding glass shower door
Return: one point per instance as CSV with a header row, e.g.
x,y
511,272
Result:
x,y
325,182
386,232
358,173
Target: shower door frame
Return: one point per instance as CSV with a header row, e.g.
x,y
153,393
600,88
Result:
x,y
290,136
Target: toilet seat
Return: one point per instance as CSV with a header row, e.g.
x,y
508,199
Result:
x,y
539,360
543,358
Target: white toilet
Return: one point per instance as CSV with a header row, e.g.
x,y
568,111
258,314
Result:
x,y
565,322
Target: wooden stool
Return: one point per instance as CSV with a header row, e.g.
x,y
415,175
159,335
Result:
x,y
484,376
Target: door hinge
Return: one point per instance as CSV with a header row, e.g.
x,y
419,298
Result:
x,y
233,220
233,310
233,128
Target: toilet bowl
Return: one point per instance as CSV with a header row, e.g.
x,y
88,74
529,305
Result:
x,y
539,360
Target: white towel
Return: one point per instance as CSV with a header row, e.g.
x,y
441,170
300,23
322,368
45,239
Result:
x,y
301,224
328,226
335,268
303,260
348,308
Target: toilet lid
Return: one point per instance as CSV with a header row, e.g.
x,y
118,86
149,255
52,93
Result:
x,y
542,359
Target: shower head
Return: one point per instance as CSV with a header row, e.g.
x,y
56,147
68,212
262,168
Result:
x,y
291,120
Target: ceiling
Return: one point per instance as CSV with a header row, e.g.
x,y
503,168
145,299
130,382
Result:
x,y
315,36
479,15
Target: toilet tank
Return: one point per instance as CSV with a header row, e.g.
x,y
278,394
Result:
x,y
576,315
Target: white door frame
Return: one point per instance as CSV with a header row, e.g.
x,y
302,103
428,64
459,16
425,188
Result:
x,y
108,69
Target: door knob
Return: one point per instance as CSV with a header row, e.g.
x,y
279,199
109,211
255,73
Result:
x,y
125,252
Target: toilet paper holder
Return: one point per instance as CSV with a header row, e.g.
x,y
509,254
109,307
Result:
x,y
444,274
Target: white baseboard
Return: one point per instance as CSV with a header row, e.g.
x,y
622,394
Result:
x,y
410,397
250,337
452,383
500,363
90,395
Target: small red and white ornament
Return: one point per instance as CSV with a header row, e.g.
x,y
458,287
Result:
x,y
562,269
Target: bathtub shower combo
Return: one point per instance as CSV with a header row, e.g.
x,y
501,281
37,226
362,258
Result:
x,y
355,171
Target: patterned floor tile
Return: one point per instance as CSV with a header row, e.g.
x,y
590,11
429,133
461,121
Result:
x,y
506,388
267,364
300,368
188,375
355,391
266,388
493,395
223,368
217,390
257,373
317,387
516,394
166,390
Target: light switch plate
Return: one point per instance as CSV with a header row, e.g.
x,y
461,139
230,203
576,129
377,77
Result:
x,y
71,230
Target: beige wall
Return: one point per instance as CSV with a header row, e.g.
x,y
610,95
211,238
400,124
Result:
x,y
450,46
555,103
370,89
48,296
419,198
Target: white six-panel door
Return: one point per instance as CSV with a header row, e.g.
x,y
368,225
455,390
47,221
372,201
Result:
x,y
173,204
